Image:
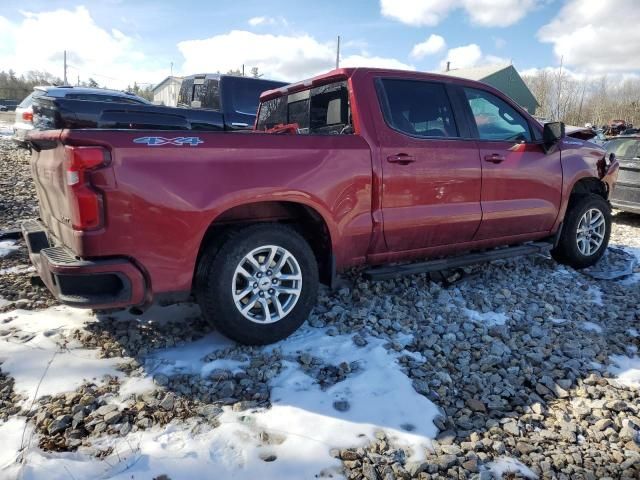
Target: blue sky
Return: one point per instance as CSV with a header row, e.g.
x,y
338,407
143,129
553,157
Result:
x,y
117,40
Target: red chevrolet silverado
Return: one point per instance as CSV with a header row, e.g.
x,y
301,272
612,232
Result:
x,y
356,166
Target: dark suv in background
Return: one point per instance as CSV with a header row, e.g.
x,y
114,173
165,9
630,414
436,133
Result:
x,y
626,195
24,112
234,96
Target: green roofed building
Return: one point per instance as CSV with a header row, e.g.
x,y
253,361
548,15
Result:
x,y
503,77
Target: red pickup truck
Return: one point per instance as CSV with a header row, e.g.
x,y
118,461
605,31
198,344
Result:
x,y
356,166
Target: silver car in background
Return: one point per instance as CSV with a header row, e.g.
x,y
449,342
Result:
x,y
24,120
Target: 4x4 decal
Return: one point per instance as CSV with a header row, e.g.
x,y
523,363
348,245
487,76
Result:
x,y
157,141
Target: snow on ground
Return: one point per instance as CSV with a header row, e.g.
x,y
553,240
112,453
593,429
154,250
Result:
x,y
591,327
633,332
302,417
596,295
17,270
488,318
38,345
635,278
504,466
626,370
7,246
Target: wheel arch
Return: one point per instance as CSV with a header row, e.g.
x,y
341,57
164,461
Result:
x,y
306,219
586,185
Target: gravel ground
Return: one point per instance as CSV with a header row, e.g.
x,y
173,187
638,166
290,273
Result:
x,y
515,355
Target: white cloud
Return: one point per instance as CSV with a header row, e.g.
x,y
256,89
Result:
x,y
417,12
497,13
487,13
469,56
374,62
594,37
431,45
254,21
258,21
463,57
38,41
285,57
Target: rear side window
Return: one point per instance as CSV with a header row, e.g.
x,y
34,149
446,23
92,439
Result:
x,y
27,102
624,147
321,110
417,108
496,119
206,91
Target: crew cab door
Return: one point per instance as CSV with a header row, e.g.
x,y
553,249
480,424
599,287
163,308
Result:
x,y
521,184
431,176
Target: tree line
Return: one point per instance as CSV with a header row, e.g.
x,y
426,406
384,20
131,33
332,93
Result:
x,y
14,87
589,100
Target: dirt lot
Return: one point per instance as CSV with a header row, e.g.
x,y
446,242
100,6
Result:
x,y
524,368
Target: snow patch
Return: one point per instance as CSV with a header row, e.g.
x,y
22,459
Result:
x,y
591,327
626,370
7,247
506,465
290,440
488,318
633,332
17,270
41,346
596,295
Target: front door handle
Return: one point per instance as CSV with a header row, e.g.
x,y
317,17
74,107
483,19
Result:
x,y
401,159
494,158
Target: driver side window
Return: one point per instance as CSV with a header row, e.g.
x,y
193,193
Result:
x,y
496,119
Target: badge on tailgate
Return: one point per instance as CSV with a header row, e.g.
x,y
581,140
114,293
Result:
x,y
157,141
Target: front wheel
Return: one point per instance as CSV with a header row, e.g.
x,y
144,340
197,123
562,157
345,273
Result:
x,y
585,232
259,286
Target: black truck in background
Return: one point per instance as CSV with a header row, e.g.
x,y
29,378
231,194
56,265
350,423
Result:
x,y
206,102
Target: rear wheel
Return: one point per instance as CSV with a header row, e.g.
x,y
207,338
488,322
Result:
x,y
259,286
585,232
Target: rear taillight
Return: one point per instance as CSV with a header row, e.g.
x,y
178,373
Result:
x,y
85,201
27,116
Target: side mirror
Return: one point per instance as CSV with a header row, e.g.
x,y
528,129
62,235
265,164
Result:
x,y
552,133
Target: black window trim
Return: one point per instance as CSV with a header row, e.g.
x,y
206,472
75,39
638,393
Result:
x,y
383,103
472,121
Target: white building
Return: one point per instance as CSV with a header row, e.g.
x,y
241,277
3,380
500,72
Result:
x,y
166,92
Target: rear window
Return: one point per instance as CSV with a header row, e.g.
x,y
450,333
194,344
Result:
x,y
205,91
624,147
27,102
321,110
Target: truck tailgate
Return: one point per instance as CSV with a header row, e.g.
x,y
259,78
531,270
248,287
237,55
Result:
x,y
47,168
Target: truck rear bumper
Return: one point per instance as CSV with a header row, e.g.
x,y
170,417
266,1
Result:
x,y
108,283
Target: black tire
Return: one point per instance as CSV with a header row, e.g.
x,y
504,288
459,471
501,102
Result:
x,y
567,251
216,274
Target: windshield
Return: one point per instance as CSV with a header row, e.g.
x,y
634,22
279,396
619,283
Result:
x,y
624,147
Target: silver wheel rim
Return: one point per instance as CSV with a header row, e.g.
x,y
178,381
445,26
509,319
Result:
x,y
591,230
266,284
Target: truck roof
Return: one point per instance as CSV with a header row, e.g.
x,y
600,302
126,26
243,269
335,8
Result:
x,y
344,73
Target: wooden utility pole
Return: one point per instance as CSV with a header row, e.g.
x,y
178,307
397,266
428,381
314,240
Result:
x,y
338,53
65,67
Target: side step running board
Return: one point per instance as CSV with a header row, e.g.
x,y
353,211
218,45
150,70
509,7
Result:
x,y
392,271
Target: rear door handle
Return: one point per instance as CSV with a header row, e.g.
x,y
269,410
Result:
x,y
494,158
401,159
